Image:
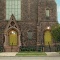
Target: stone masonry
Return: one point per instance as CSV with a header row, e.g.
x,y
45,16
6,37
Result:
x,y
33,18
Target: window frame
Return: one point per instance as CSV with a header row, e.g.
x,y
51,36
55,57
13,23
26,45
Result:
x,y
16,12
31,35
47,13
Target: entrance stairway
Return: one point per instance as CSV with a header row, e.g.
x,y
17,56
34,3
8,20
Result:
x,y
11,49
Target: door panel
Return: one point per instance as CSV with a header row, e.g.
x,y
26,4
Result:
x,y
47,37
13,38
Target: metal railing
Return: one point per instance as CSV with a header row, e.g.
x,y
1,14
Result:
x,y
41,48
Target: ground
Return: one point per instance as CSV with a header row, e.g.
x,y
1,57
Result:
x,y
12,56
29,58
31,54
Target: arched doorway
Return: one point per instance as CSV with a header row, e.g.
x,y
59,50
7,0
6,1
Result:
x,y
47,37
12,35
13,38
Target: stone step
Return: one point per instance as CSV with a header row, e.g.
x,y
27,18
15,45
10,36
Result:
x,y
12,49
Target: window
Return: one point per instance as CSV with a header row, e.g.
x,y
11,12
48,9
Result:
x,y
30,34
47,12
13,7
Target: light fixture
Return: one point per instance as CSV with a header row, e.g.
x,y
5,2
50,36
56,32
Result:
x,y
13,32
48,27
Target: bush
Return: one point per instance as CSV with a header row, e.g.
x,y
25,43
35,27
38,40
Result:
x,y
55,31
28,48
39,48
57,47
1,48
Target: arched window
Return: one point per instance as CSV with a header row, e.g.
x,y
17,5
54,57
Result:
x,y
13,7
47,37
13,37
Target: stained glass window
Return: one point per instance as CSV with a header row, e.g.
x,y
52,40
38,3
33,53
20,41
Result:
x,y
13,7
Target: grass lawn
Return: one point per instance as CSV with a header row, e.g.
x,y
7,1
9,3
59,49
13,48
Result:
x,y
59,52
31,54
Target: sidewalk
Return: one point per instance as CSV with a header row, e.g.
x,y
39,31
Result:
x,y
52,54
8,53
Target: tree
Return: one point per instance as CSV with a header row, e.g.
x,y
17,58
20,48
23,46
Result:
x,y
55,31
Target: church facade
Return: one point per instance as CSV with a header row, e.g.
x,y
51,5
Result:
x,y
28,23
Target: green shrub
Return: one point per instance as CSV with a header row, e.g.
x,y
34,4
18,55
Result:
x,y
39,48
1,49
58,47
28,48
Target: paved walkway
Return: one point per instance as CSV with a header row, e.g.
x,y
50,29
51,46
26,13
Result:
x,y
52,53
29,58
8,53
14,53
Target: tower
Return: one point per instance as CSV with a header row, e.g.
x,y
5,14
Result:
x,y
47,17
2,10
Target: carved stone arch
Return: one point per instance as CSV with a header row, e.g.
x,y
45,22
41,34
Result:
x,y
12,25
